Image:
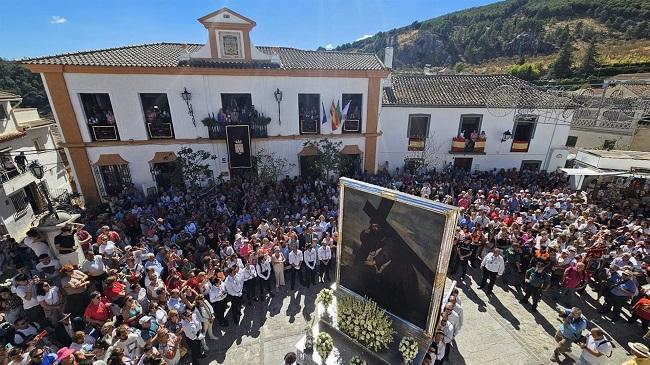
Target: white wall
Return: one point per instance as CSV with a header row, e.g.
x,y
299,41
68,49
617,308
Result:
x,y
444,125
55,176
206,98
595,138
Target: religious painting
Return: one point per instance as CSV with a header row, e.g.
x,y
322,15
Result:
x,y
394,249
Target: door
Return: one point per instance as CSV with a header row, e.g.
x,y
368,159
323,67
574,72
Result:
x,y
167,176
31,191
464,164
307,167
350,165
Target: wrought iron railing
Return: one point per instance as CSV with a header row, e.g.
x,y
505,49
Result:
x,y
7,175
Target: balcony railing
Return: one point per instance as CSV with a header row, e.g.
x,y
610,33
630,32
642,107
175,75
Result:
x,y
467,145
7,175
160,130
219,131
104,133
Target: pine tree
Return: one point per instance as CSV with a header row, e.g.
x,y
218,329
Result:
x,y
561,67
589,62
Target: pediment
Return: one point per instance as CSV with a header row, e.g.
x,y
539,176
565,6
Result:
x,y
225,16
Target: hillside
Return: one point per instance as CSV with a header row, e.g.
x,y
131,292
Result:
x,y
497,36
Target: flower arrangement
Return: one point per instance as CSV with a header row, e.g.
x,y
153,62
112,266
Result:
x,y
325,297
324,345
356,360
365,322
408,348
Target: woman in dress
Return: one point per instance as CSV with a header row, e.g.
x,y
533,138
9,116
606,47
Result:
x,y
277,260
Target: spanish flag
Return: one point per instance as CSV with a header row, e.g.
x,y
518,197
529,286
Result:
x,y
335,115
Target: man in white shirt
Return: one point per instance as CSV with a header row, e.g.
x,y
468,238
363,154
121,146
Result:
x,y
49,268
234,287
37,243
458,309
94,267
131,343
295,260
325,256
492,266
597,349
26,290
452,317
448,329
191,327
310,257
217,296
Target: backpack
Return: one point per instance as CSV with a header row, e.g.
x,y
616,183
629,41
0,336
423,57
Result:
x,y
611,352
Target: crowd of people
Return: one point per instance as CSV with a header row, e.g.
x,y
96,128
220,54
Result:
x,y
158,280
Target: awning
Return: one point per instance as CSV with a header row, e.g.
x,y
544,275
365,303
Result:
x,y
163,157
309,151
351,149
590,172
111,159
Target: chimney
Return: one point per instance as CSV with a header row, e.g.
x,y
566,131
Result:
x,y
388,57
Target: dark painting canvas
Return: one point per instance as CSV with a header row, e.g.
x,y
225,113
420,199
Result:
x,y
389,253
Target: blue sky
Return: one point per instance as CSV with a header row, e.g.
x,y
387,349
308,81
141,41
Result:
x,y
46,27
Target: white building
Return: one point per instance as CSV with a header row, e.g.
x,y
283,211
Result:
x,y
23,131
424,116
124,115
625,168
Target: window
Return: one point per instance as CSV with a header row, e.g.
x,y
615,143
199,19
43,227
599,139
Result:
x,y
3,112
524,131
236,108
8,169
609,144
157,116
116,178
530,165
309,113
571,141
100,117
19,200
418,131
469,124
352,123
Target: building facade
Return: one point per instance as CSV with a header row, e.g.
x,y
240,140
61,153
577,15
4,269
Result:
x,y
125,113
26,137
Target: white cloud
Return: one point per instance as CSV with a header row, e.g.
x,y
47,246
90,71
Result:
x,y
57,19
329,47
364,37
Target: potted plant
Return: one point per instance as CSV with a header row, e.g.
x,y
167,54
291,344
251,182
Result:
x,y
210,121
324,345
325,297
356,360
408,347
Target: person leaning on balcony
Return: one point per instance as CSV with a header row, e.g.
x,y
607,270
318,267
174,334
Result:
x,y
21,161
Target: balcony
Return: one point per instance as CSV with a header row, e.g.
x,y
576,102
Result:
x,y
14,180
102,133
519,146
470,146
160,130
218,131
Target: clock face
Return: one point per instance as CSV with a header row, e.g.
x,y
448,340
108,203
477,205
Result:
x,y
230,45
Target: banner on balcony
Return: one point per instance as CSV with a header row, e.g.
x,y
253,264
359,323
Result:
x,y
239,146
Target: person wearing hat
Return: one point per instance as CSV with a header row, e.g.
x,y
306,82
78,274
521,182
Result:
x,y
621,287
640,353
63,331
536,280
65,356
148,327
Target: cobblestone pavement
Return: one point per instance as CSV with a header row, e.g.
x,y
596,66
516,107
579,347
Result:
x,y
498,330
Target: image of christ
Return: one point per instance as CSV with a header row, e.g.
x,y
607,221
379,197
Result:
x,y
390,253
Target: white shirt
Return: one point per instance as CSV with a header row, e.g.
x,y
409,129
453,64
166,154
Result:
x,y
493,263
310,258
132,346
94,267
604,346
38,247
248,273
21,291
455,321
449,331
295,259
234,285
52,296
50,268
192,328
324,253
264,267
107,248
458,309
217,292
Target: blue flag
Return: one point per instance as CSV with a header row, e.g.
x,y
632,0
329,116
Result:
x,y
324,114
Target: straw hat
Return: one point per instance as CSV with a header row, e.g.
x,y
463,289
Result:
x,y
639,349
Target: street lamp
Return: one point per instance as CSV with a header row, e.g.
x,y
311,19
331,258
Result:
x,y
278,97
39,171
187,96
506,136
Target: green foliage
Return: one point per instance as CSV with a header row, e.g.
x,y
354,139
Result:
x,y
561,67
459,67
270,167
526,71
209,121
510,28
17,79
589,63
329,159
193,166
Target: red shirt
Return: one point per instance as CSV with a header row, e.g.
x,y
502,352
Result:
x,y
114,291
100,312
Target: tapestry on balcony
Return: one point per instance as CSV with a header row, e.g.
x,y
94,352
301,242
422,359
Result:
x,y
239,146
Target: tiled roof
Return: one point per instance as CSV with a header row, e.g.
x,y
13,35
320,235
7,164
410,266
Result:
x,y
5,95
167,55
298,59
9,136
467,91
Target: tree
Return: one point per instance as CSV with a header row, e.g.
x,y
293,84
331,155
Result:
x,y
270,167
561,67
193,166
17,79
589,63
329,160
459,67
428,158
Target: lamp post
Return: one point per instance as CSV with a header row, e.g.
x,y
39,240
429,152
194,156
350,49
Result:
x,y
187,96
506,136
278,97
39,171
